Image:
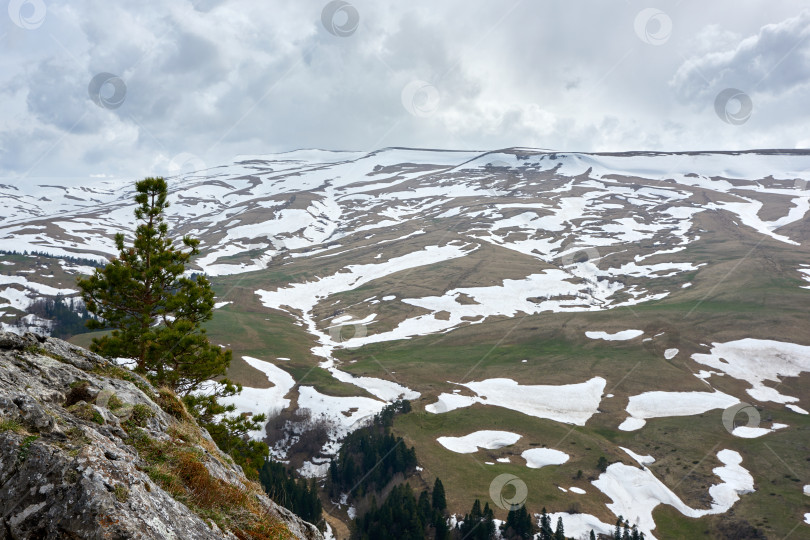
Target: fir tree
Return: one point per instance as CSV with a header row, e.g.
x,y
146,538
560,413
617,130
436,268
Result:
x,y
602,464
545,526
518,524
617,534
155,312
439,501
296,494
559,534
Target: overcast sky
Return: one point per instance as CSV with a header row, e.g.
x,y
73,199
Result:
x,y
195,83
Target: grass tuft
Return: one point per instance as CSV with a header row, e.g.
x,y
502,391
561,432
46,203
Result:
x,y
85,411
8,424
178,467
25,448
121,492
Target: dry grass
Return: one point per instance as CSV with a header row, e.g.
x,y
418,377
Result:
x,y
178,466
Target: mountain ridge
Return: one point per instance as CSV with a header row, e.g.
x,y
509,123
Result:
x,y
471,283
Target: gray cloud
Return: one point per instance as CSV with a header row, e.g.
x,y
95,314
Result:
x,y
219,78
774,61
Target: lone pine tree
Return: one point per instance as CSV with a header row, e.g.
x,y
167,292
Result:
x,y
155,311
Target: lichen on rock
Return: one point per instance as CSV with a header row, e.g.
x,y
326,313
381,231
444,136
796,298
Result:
x,y
86,451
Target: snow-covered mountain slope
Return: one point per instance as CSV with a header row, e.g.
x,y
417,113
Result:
x,y
590,221
599,229
596,291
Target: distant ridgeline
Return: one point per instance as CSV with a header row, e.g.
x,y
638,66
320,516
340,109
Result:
x,y
67,315
69,258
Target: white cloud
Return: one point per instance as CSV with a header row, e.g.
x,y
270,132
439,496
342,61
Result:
x,y
774,61
216,78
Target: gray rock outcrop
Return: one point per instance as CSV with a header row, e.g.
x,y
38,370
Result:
x,y
69,467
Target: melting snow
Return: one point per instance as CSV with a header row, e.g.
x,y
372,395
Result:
x,y
568,403
580,525
489,440
618,336
796,409
385,390
540,457
757,361
747,432
636,492
632,424
263,400
641,460
345,413
669,354
663,404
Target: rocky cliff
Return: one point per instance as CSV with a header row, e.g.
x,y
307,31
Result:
x,y
90,450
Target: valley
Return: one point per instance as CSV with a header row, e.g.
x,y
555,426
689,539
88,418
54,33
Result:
x,y
648,308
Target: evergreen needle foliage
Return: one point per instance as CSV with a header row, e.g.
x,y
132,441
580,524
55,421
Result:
x,y
155,310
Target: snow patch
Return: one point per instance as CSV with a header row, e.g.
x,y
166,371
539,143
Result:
x,y
263,400
579,525
746,432
796,409
757,361
541,457
665,404
617,336
641,460
567,403
636,492
489,440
